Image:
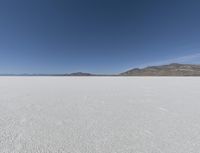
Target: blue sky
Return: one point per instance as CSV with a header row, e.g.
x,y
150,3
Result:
x,y
98,36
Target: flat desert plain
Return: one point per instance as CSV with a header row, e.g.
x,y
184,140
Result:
x,y
99,115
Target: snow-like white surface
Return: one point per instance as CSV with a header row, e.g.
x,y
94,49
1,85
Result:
x,y
99,115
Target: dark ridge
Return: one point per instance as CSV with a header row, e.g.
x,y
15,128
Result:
x,y
80,74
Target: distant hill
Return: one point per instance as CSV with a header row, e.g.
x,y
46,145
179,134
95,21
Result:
x,y
80,74
173,69
70,74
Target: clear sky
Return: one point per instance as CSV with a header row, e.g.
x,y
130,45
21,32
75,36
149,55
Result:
x,y
98,36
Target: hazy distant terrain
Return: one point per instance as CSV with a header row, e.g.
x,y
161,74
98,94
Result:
x,y
99,115
173,69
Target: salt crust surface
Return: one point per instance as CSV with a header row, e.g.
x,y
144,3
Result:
x,y
99,115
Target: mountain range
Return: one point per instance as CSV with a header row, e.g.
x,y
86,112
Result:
x,y
173,69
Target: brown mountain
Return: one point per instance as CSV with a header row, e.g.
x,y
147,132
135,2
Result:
x,y
173,69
